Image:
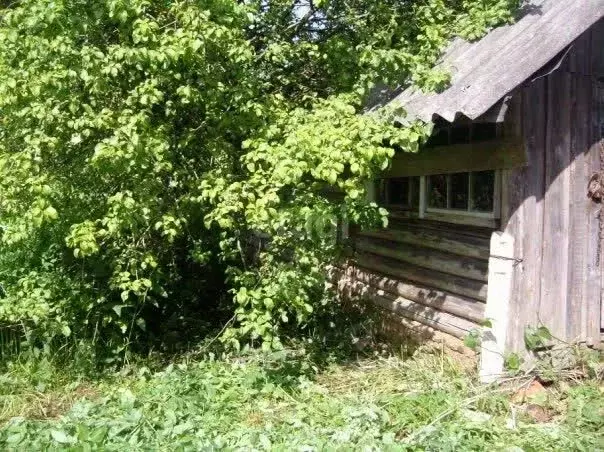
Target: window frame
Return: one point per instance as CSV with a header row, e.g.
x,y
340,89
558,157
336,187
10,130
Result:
x,y
448,215
409,206
463,138
495,214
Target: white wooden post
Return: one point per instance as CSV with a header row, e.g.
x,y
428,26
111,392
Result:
x,y
499,292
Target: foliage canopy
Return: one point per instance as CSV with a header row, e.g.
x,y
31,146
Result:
x,y
155,154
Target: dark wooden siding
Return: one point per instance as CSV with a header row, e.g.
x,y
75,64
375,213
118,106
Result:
x,y
545,204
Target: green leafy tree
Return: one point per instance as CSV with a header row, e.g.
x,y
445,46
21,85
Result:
x,y
154,155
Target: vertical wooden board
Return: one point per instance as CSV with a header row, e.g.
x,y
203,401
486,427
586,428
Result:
x,y
597,48
531,239
579,208
525,205
497,309
554,276
593,284
512,219
599,104
580,54
511,186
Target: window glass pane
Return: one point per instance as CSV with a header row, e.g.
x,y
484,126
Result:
x,y
459,191
398,191
483,189
437,191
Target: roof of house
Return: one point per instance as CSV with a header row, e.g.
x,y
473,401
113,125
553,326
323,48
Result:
x,y
483,72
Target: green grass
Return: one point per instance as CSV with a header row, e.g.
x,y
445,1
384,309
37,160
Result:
x,y
283,402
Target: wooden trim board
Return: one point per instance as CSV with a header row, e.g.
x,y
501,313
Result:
x,y
480,156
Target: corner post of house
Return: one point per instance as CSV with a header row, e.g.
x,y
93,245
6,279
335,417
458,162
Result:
x,y
497,311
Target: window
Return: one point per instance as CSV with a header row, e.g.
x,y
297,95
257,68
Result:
x,y
400,192
472,192
442,196
458,194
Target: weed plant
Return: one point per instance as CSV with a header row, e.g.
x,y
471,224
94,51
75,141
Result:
x,y
289,400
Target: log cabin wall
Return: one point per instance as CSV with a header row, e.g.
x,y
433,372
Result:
x,y
545,205
434,274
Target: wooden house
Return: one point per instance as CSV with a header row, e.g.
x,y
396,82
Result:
x,y
499,216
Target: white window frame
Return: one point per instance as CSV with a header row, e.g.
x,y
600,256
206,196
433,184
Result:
x,y
495,214
458,216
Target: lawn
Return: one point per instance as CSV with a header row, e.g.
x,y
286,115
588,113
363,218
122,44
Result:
x,y
286,401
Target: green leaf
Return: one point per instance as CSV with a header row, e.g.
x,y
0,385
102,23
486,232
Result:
x,y
98,435
83,432
61,437
544,333
179,429
140,322
50,213
472,340
66,331
513,362
15,438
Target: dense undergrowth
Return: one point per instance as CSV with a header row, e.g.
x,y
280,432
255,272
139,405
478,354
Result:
x,y
290,400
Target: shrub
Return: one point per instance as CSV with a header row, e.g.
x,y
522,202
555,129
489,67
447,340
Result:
x,y
147,147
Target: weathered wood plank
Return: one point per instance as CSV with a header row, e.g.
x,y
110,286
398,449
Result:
x,y
523,209
554,277
449,217
478,249
595,269
593,284
463,232
580,55
597,49
598,136
512,216
501,270
431,278
458,158
453,264
441,321
396,327
579,202
530,242
443,301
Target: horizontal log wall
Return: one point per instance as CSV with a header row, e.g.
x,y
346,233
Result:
x,y
427,272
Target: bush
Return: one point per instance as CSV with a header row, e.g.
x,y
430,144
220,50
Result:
x,y
147,147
